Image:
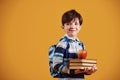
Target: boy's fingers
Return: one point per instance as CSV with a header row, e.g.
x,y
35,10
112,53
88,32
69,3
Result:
x,y
77,71
95,68
86,69
82,70
91,69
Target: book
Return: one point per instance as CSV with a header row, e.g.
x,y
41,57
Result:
x,y
82,63
79,67
84,60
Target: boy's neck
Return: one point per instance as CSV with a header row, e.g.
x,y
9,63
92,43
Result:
x,y
73,38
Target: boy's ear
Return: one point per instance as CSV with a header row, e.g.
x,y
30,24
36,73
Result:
x,y
62,27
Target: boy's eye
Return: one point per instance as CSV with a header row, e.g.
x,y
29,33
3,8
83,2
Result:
x,y
76,23
67,23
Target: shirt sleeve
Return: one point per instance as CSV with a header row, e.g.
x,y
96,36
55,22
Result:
x,y
58,62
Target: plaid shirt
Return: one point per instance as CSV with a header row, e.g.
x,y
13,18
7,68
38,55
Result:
x,y
65,49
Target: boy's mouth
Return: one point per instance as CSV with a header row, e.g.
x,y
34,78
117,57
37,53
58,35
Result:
x,y
72,29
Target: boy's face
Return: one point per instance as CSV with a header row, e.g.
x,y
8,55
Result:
x,y
72,28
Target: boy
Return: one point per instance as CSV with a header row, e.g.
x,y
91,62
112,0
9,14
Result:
x,y
69,46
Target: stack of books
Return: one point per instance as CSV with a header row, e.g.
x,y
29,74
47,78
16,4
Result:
x,y
81,63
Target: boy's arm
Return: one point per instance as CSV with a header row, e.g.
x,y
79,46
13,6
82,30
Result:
x,y
58,63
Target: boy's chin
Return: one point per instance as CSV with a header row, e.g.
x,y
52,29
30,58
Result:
x,y
72,35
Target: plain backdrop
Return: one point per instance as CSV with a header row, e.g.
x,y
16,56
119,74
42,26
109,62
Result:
x,y
29,27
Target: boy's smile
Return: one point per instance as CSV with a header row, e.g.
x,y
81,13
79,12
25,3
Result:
x,y
72,28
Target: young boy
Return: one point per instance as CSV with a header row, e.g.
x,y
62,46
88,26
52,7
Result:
x,y
69,46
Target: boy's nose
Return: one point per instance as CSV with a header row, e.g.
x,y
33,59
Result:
x,y
72,25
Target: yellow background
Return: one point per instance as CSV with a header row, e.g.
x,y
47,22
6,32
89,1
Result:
x,y
29,27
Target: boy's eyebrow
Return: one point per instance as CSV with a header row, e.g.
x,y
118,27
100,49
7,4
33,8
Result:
x,y
73,20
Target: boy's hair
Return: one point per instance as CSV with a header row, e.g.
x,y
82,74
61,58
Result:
x,y
70,15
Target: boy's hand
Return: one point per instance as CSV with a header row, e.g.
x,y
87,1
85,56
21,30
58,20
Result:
x,y
82,70
92,70
77,71
86,70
